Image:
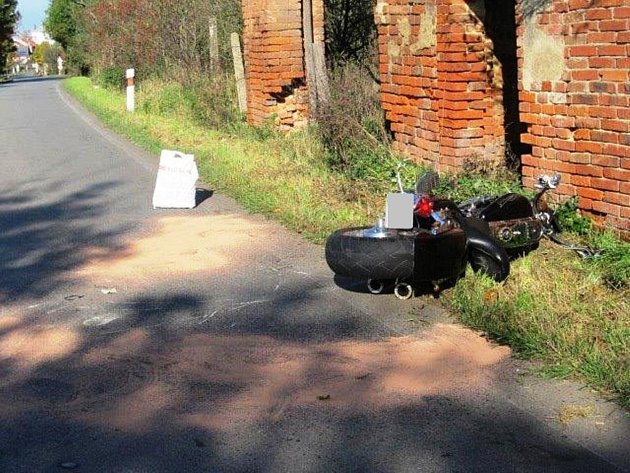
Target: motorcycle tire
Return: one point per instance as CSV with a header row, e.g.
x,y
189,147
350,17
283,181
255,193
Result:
x,y
483,263
349,252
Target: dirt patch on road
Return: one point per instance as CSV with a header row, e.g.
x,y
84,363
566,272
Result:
x,y
25,347
182,245
215,382
134,379
270,377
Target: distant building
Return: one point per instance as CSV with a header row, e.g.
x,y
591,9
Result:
x,y
26,42
39,36
24,47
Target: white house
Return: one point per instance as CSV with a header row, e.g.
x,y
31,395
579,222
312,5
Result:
x,y
39,36
24,48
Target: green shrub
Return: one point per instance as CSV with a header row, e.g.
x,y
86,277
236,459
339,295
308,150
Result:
x,y
477,179
613,261
111,77
569,219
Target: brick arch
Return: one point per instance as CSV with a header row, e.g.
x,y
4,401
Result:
x,y
442,86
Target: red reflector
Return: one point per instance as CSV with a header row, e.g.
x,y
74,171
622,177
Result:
x,y
424,207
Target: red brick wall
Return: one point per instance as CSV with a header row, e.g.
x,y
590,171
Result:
x,y
574,86
274,60
440,81
442,86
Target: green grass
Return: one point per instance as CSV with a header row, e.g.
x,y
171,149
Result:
x,y
573,315
557,308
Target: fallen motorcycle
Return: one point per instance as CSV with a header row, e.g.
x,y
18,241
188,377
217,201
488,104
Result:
x,y
424,238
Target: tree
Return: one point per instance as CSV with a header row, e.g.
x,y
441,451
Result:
x,y
61,21
154,36
47,53
65,22
9,17
159,37
350,30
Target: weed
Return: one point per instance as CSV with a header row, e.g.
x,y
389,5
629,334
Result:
x,y
352,128
551,309
569,218
205,101
613,261
478,178
569,413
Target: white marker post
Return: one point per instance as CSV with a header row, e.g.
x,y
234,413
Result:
x,y
131,90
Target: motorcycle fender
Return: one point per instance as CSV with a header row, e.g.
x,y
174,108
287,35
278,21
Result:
x,y
483,242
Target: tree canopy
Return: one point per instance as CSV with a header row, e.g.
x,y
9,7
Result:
x,y
61,21
9,17
66,22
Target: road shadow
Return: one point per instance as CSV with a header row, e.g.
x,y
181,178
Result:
x,y
41,243
201,195
18,79
420,288
142,395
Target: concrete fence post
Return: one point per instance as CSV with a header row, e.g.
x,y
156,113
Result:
x,y
239,72
213,43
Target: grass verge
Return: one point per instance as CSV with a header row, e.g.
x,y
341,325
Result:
x,y
555,307
571,314
276,175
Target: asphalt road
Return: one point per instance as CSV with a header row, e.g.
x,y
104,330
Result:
x,y
211,340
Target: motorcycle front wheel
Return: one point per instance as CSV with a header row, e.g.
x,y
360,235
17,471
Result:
x,y
483,263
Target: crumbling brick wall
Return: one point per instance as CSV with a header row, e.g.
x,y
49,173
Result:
x,y
440,82
274,60
575,98
442,86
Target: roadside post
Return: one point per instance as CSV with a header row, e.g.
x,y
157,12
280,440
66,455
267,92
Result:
x,y
131,89
239,72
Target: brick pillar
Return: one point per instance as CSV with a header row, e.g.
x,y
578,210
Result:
x,y
469,80
407,42
440,81
274,60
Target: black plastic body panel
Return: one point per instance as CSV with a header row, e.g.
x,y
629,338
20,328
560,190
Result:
x,y
507,207
440,256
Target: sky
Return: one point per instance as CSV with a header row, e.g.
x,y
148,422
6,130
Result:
x,y
32,12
